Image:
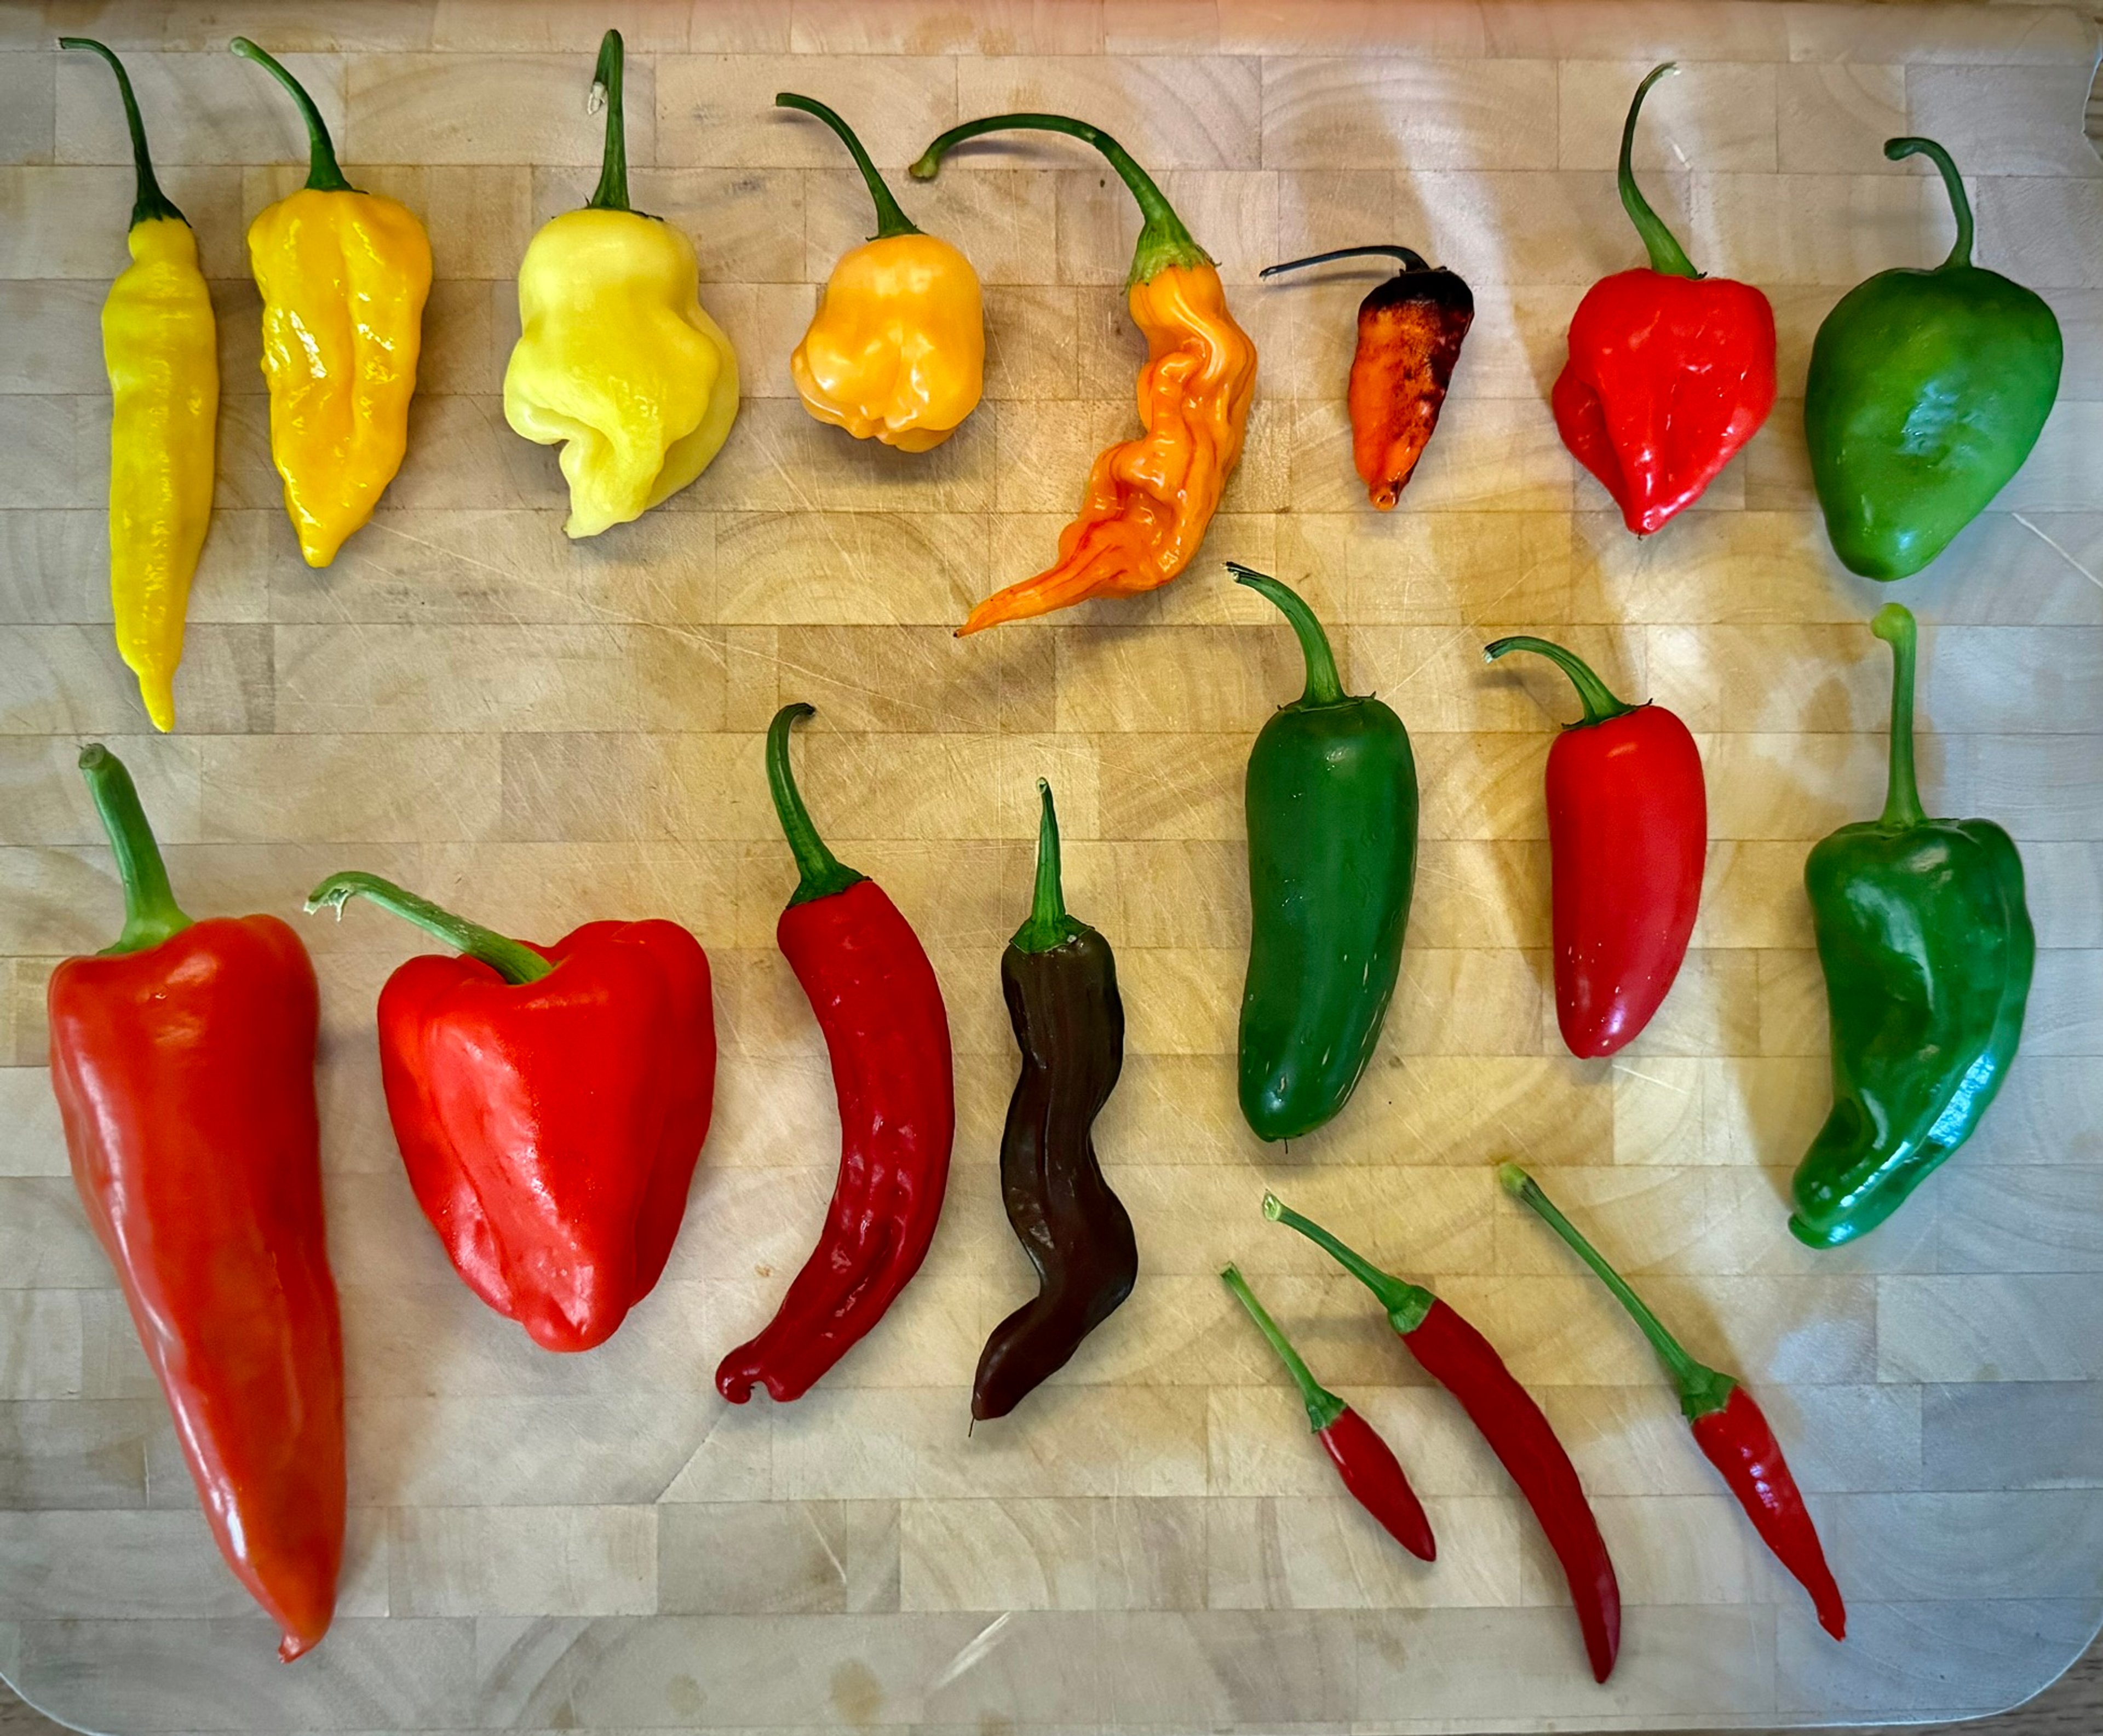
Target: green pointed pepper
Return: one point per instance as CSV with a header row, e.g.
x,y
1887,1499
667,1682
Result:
x,y
1332,807
1928,390
1927,949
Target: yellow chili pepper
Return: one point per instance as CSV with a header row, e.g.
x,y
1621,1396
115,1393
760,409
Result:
x,y
343,276
1149,500
897,347
161,347
617,362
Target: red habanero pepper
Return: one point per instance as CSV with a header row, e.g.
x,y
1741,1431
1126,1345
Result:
x,y
1366,1464
183,1059
1463,1362
1727,1425
1670,372
1628,837
887,1034
551,1103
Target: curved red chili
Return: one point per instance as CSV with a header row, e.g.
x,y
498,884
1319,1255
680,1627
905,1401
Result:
x,y
887,1034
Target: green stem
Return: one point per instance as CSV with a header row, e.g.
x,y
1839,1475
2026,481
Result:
x,y
1894,625
611,193
149,202
1410,258
1324,686
1323,1406
511,960
1162,240
1960,203
1599,699
323,173
890,219
823,873
1049,925
1667,254
1702,1389
1406,1304
151,913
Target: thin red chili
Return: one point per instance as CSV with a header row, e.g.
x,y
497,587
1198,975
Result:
x,y
1463,1362
1367,1465
1728,1426
887,1034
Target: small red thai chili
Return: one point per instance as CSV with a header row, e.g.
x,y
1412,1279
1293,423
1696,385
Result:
x,y
1366,1462
887,1034
1463,1362
1728,1426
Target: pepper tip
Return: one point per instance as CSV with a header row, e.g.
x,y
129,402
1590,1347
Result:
x,y
94,756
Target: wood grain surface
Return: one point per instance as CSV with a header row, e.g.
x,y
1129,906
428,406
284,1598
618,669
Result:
x,y
540,732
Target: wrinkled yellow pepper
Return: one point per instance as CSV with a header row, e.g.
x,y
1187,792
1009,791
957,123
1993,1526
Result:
x,y
896,349
160,346
343,276
617,362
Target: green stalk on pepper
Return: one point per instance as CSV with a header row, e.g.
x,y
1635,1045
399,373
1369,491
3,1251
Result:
x,y
1926,946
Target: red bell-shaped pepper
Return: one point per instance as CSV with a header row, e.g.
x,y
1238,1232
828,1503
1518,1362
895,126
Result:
x,y
1628,834
551,1103
182,1058
1670,372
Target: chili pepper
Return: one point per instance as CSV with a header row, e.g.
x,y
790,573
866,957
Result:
x,y
1627,835
183,1059
1331,799
1463,1362
617,361
343,275
551,1103
897,347
1670,372
1366,1463
1926,391
1147,501
1727,1425
1060,982
160,346
1926,942
1410,332
887,1034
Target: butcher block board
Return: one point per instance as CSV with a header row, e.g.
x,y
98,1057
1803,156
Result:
x,y
541,733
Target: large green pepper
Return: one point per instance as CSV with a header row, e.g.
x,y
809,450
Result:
x,y
1928,390
1927,950
1331,803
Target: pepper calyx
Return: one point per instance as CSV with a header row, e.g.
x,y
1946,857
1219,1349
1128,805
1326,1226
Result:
x,y
1601,704
1666,256
822,873
1048,925
149,202
1405,1304
513,960
151,913
1323,1406
1325,686
324,174
890,219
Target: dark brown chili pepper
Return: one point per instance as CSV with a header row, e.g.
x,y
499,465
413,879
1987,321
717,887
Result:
x,y
1410,330
1061,983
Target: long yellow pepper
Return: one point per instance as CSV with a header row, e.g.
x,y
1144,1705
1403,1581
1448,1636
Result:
x,y
343,276
160,349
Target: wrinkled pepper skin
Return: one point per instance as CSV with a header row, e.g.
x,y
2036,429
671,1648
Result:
x,y
160,345
343,276
617,362
183,1059
1928,390
1331,806
1926,942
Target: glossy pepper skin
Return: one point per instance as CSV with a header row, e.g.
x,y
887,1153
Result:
x,y
160,346
617,362
887,1034
1060,981
1410,329
344,276
1727,1424
1628,837
551,1103
896,350
1330,801
1147,501
183,1059
1926,391
1670,372
1926,942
